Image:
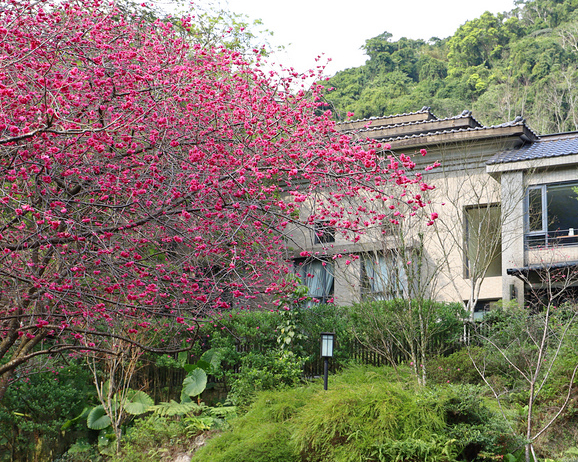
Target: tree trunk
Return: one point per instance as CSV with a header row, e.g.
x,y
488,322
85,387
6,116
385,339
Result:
x,y
5,383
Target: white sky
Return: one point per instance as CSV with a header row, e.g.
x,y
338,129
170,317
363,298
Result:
x,y
338,28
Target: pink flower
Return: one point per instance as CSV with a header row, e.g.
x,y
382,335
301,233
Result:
x,y
423,152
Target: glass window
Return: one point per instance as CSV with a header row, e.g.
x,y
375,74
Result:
x,y
535,215
383,277
323,233
317,275
552,215
483,241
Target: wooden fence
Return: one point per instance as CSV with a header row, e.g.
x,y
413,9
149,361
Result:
x,y
164,383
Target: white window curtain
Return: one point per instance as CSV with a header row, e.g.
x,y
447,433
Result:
x,y
318,277
377,272
384,277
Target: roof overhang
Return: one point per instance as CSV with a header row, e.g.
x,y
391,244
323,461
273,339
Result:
x,y
534,164
538,268
473,134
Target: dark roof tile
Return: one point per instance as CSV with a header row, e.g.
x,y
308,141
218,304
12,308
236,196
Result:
x,y
423,110
545,147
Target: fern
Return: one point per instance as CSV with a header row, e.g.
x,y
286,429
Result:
x,y
173,408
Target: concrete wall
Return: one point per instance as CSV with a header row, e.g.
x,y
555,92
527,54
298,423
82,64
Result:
x,y
462,181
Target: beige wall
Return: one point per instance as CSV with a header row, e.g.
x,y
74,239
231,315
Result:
x,y
463,180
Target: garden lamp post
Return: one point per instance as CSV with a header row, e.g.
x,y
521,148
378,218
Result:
x,y
327,340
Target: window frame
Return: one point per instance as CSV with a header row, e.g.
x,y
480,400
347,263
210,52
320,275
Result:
x,y
467,238
327,293
396,284
547,237
323,233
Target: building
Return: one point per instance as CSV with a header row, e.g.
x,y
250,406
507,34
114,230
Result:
x,y
507,205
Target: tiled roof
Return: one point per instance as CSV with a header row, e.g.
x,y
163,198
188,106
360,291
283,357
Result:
x,y
422,127
424,110
424,133
545,147
524,270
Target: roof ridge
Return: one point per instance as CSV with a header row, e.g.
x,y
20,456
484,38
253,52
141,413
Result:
x,y
423,110
518,120
419,122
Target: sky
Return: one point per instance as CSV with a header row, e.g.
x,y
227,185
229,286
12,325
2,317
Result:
x,y
338,28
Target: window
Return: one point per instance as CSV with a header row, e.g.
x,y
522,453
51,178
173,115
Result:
x,y
317,275
383,277
482,307
323,233
552,215
483,246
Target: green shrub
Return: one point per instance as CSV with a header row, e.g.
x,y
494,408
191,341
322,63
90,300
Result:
x,y
456,368
263,433
366,415
396,328
327,318
35,408
363,407
470,421
265,371
82,451
153,437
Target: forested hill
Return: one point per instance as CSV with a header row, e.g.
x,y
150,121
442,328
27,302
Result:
x,y
524,62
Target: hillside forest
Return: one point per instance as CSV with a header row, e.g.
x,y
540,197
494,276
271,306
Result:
x,y
522,62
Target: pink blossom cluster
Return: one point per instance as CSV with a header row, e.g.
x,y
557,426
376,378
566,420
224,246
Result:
x,y
145,175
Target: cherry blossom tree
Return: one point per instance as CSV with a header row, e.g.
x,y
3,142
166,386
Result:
x,y
145,176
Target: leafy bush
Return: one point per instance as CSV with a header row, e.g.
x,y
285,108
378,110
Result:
x,y
235,335
471,422
365,415
456,368
265,371
327,318
263,433
35,408
400,326
151,438
82,451
243,337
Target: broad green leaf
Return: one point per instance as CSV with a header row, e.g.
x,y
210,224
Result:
x,y
173,408
97,419
183,357
190,367
214,357
195,383
138,402
84,414
204,365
